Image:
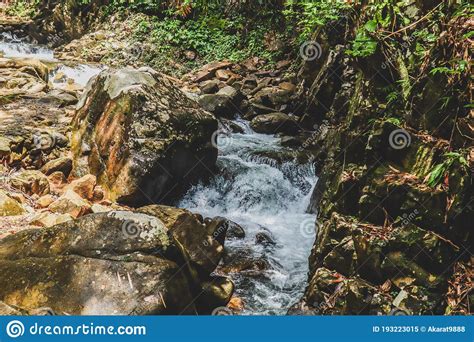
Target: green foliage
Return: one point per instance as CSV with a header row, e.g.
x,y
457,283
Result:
x,y
439,171
454,68
381,17
212,37
309,15
392,97
23,8
363,45
394,121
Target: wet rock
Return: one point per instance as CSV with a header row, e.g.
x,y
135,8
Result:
x,y
258,109
63,164
30,182
200,243
244,262
216,292
265,239
274,123
231,126
154,155
9,206
217,228
235,231
236,304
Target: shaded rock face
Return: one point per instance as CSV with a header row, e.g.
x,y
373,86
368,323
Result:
x,y
386,239
118,262
141,136
61,21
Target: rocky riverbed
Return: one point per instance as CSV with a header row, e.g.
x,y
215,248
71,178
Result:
x,y
238,188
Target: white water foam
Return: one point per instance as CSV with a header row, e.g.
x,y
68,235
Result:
x,y
261,196
14,47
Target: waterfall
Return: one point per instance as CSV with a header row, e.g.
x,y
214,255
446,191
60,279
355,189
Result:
x,y
261,196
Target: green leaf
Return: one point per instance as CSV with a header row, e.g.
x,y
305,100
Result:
x,y
436,175
371,25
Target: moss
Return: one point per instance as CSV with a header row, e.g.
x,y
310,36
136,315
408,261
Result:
x,y
423,161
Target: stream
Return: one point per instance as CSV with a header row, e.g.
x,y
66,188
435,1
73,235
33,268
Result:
x,y
13,47
261,195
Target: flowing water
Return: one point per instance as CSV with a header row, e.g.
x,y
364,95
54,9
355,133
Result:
x,y
261,196
256,192
13,47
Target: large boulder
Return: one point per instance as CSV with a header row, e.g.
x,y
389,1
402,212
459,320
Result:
x,y
119,262
143,138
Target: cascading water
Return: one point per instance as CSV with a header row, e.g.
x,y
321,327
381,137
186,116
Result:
x,y
256,192
261,196
13,47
